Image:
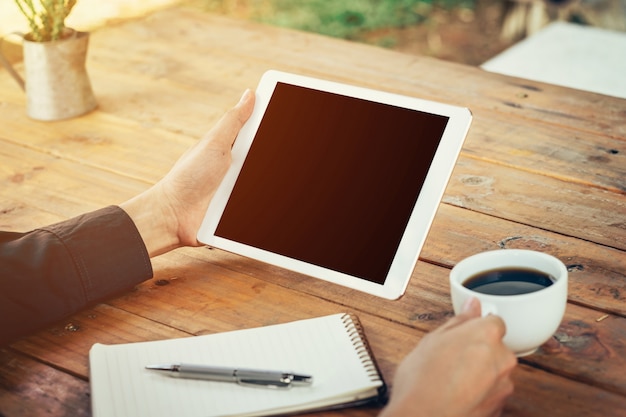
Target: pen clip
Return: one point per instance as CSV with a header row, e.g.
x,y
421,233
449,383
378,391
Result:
x,y
284,382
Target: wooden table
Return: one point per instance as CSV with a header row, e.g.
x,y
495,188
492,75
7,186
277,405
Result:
x,y
543,168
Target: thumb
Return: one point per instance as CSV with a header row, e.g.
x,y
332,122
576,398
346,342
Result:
x,y
223,134
235,118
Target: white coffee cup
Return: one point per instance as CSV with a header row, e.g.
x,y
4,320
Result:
x,y
532,318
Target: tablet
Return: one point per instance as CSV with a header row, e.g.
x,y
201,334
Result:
x,y
335,181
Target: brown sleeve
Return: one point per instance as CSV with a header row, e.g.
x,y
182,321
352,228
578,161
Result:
x,y
54,271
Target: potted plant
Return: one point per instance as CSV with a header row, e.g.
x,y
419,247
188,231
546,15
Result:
x,y
56,82
46,18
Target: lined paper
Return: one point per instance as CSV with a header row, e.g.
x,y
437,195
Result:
x,y
322,347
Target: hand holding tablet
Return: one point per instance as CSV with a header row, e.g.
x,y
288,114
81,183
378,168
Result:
x,y
337,182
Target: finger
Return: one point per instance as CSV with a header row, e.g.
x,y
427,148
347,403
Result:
x,y
243,109
223,134
225,131
471,307
470,310
455,322
496,325
246,103
490,328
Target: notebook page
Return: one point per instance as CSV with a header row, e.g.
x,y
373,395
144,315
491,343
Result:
x,y
121,386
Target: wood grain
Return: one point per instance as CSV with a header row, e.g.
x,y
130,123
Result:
x,y
31,388
543,168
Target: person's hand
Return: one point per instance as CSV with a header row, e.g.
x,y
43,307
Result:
x,y
169,214
462,369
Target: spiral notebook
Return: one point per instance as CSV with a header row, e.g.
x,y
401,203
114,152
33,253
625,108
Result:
x,y
333,349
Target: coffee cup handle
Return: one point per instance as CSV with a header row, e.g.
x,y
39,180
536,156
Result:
x,y
488,309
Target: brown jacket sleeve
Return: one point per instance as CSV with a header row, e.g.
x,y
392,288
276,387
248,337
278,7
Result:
x,y
52,272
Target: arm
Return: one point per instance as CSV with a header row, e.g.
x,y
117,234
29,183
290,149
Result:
x,y
462,369
55,271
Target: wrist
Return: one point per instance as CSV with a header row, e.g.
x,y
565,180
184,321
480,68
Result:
x,y
154,221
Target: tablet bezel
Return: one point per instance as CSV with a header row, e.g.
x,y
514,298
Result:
x,y
412,241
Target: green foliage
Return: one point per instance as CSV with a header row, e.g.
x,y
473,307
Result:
x,y
345,19
342,18
46,18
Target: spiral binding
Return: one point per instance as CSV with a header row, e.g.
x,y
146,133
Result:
x,y
358,339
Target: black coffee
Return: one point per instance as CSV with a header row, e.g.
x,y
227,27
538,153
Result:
x,y
511,281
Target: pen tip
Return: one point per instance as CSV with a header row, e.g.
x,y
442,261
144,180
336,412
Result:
x,y
302,379
159,367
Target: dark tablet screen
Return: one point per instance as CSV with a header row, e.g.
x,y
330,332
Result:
x,y
332,180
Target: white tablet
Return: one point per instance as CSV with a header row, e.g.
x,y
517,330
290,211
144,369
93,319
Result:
x,y
337,182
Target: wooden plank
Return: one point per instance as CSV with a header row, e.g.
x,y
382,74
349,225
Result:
x,y
597,274
31,388
437,297
148,88
257,291
524,135
216,299
136,92
588,347
97,139
426,304
547,203
67,343
564,153
498,190
215,40
542,394
225,49
18,217
236,295
69,396
213,37
440,314
231,301
55,186
62,172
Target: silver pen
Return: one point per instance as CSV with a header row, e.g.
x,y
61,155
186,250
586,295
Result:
x,y
242,376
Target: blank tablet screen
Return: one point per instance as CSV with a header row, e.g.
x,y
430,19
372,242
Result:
x,y
332,180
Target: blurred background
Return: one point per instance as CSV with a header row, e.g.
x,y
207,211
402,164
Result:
x,y
464,31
